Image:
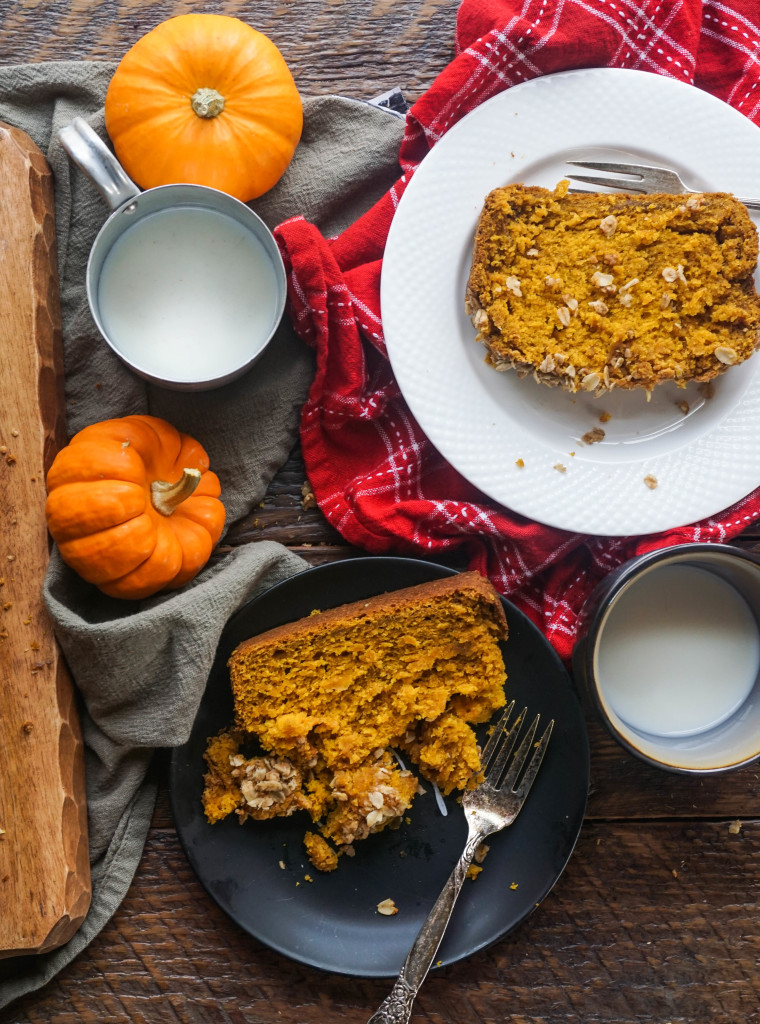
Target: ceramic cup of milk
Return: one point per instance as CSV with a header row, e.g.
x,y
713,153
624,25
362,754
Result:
x,y
185,283
670,654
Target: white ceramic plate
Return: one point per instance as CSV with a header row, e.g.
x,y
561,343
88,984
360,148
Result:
x,y
482,421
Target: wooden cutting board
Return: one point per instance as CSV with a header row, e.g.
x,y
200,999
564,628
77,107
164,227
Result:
x,y
44,863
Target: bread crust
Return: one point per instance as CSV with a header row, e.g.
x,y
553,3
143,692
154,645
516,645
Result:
x,y
465,582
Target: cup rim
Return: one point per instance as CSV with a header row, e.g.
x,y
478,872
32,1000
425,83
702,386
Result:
x,y
601,600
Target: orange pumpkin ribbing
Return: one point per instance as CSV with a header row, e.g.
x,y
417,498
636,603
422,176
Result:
x,y
99,509
158,137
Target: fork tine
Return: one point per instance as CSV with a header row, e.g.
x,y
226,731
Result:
x,y
495,768
622,184
518,760
496,733
535,763
613,167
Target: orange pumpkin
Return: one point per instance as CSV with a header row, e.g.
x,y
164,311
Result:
x,y
204,99
133,506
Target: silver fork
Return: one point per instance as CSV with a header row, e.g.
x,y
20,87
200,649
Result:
x,y
493,805
639,178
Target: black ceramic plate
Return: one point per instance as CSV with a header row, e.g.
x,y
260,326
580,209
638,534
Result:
x,y
332,922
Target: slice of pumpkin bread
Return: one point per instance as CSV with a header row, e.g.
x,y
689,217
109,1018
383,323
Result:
x,y
598,291
331,697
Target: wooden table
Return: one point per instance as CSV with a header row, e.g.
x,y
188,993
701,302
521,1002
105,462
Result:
x,y
655,918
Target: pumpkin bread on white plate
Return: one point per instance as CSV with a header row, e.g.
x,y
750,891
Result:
x,y
592,291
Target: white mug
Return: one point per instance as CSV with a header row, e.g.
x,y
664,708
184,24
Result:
x,y
669,652
185,283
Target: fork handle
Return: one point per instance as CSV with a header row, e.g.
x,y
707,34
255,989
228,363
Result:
x,y
397,1007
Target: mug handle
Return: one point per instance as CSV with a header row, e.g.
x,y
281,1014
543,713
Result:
x,y
93,157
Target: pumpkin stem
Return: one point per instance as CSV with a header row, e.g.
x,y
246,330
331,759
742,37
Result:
x,y
207,103
166,497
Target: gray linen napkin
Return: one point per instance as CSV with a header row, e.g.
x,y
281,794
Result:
x,y
141,667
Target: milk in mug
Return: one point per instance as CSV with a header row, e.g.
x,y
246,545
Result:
x,y
678,653
188,294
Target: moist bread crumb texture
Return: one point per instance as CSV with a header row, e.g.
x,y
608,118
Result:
x,y
599,291
328,699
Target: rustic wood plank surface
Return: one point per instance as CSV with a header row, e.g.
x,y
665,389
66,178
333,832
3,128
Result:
x,y
655,918
44,865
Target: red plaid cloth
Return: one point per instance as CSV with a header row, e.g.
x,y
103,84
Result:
x,y
376,477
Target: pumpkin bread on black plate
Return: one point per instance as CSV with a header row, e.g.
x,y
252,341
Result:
x,y
337,700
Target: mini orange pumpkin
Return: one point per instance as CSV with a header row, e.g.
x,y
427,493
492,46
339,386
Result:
x,y
133,506
204,99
